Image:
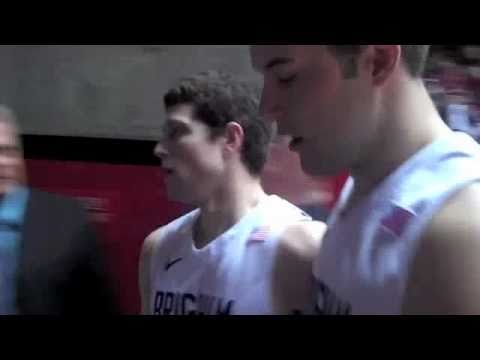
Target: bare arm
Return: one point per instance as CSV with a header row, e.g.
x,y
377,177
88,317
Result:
x,y
144,271
293,283
446,272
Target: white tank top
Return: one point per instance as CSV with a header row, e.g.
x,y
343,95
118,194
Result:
x,y
232,276
367,253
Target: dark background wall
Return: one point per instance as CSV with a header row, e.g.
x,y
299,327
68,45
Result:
x,y
106,91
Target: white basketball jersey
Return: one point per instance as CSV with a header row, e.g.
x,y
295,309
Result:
x,y
367,253
231,276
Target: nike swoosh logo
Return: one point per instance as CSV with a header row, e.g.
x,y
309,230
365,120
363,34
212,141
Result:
x,y
170,264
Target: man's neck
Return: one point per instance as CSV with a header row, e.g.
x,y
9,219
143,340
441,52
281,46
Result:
x,y
411,122
227,207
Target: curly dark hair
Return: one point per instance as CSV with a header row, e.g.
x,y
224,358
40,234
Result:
x,y
219,98
414,57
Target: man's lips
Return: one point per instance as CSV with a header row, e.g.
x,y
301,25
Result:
x,y
295,143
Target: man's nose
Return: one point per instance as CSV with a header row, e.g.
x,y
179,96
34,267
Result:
x,y
160,151
270,108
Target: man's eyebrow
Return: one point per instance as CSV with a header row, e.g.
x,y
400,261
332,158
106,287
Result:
x,y
277,62
173,121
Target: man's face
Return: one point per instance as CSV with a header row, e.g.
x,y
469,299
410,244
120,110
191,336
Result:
x,y
328,116
11,159
192,160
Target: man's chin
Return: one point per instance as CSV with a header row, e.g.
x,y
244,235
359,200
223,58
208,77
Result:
x,y
179,197
317,168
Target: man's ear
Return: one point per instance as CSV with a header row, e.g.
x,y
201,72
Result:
x,y
384,59
234,137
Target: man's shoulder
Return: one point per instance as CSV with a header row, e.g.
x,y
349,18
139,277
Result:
x,y
448,259
459,217
169,232
297,231
279,210
156,237
303,238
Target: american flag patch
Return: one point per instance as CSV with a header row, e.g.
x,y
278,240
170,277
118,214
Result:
x,y
259,235
398,220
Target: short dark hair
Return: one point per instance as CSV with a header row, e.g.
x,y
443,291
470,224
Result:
x,y
414,57
219,98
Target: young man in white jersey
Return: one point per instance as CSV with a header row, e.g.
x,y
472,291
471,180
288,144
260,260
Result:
x,y
242,252
405,237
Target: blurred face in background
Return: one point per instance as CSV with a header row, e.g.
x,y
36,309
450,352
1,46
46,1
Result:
x,y
192,160
12,165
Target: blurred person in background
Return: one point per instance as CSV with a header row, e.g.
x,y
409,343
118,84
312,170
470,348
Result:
x,y
242,252
51,262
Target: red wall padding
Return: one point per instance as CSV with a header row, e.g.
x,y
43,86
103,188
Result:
x,y
127,203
